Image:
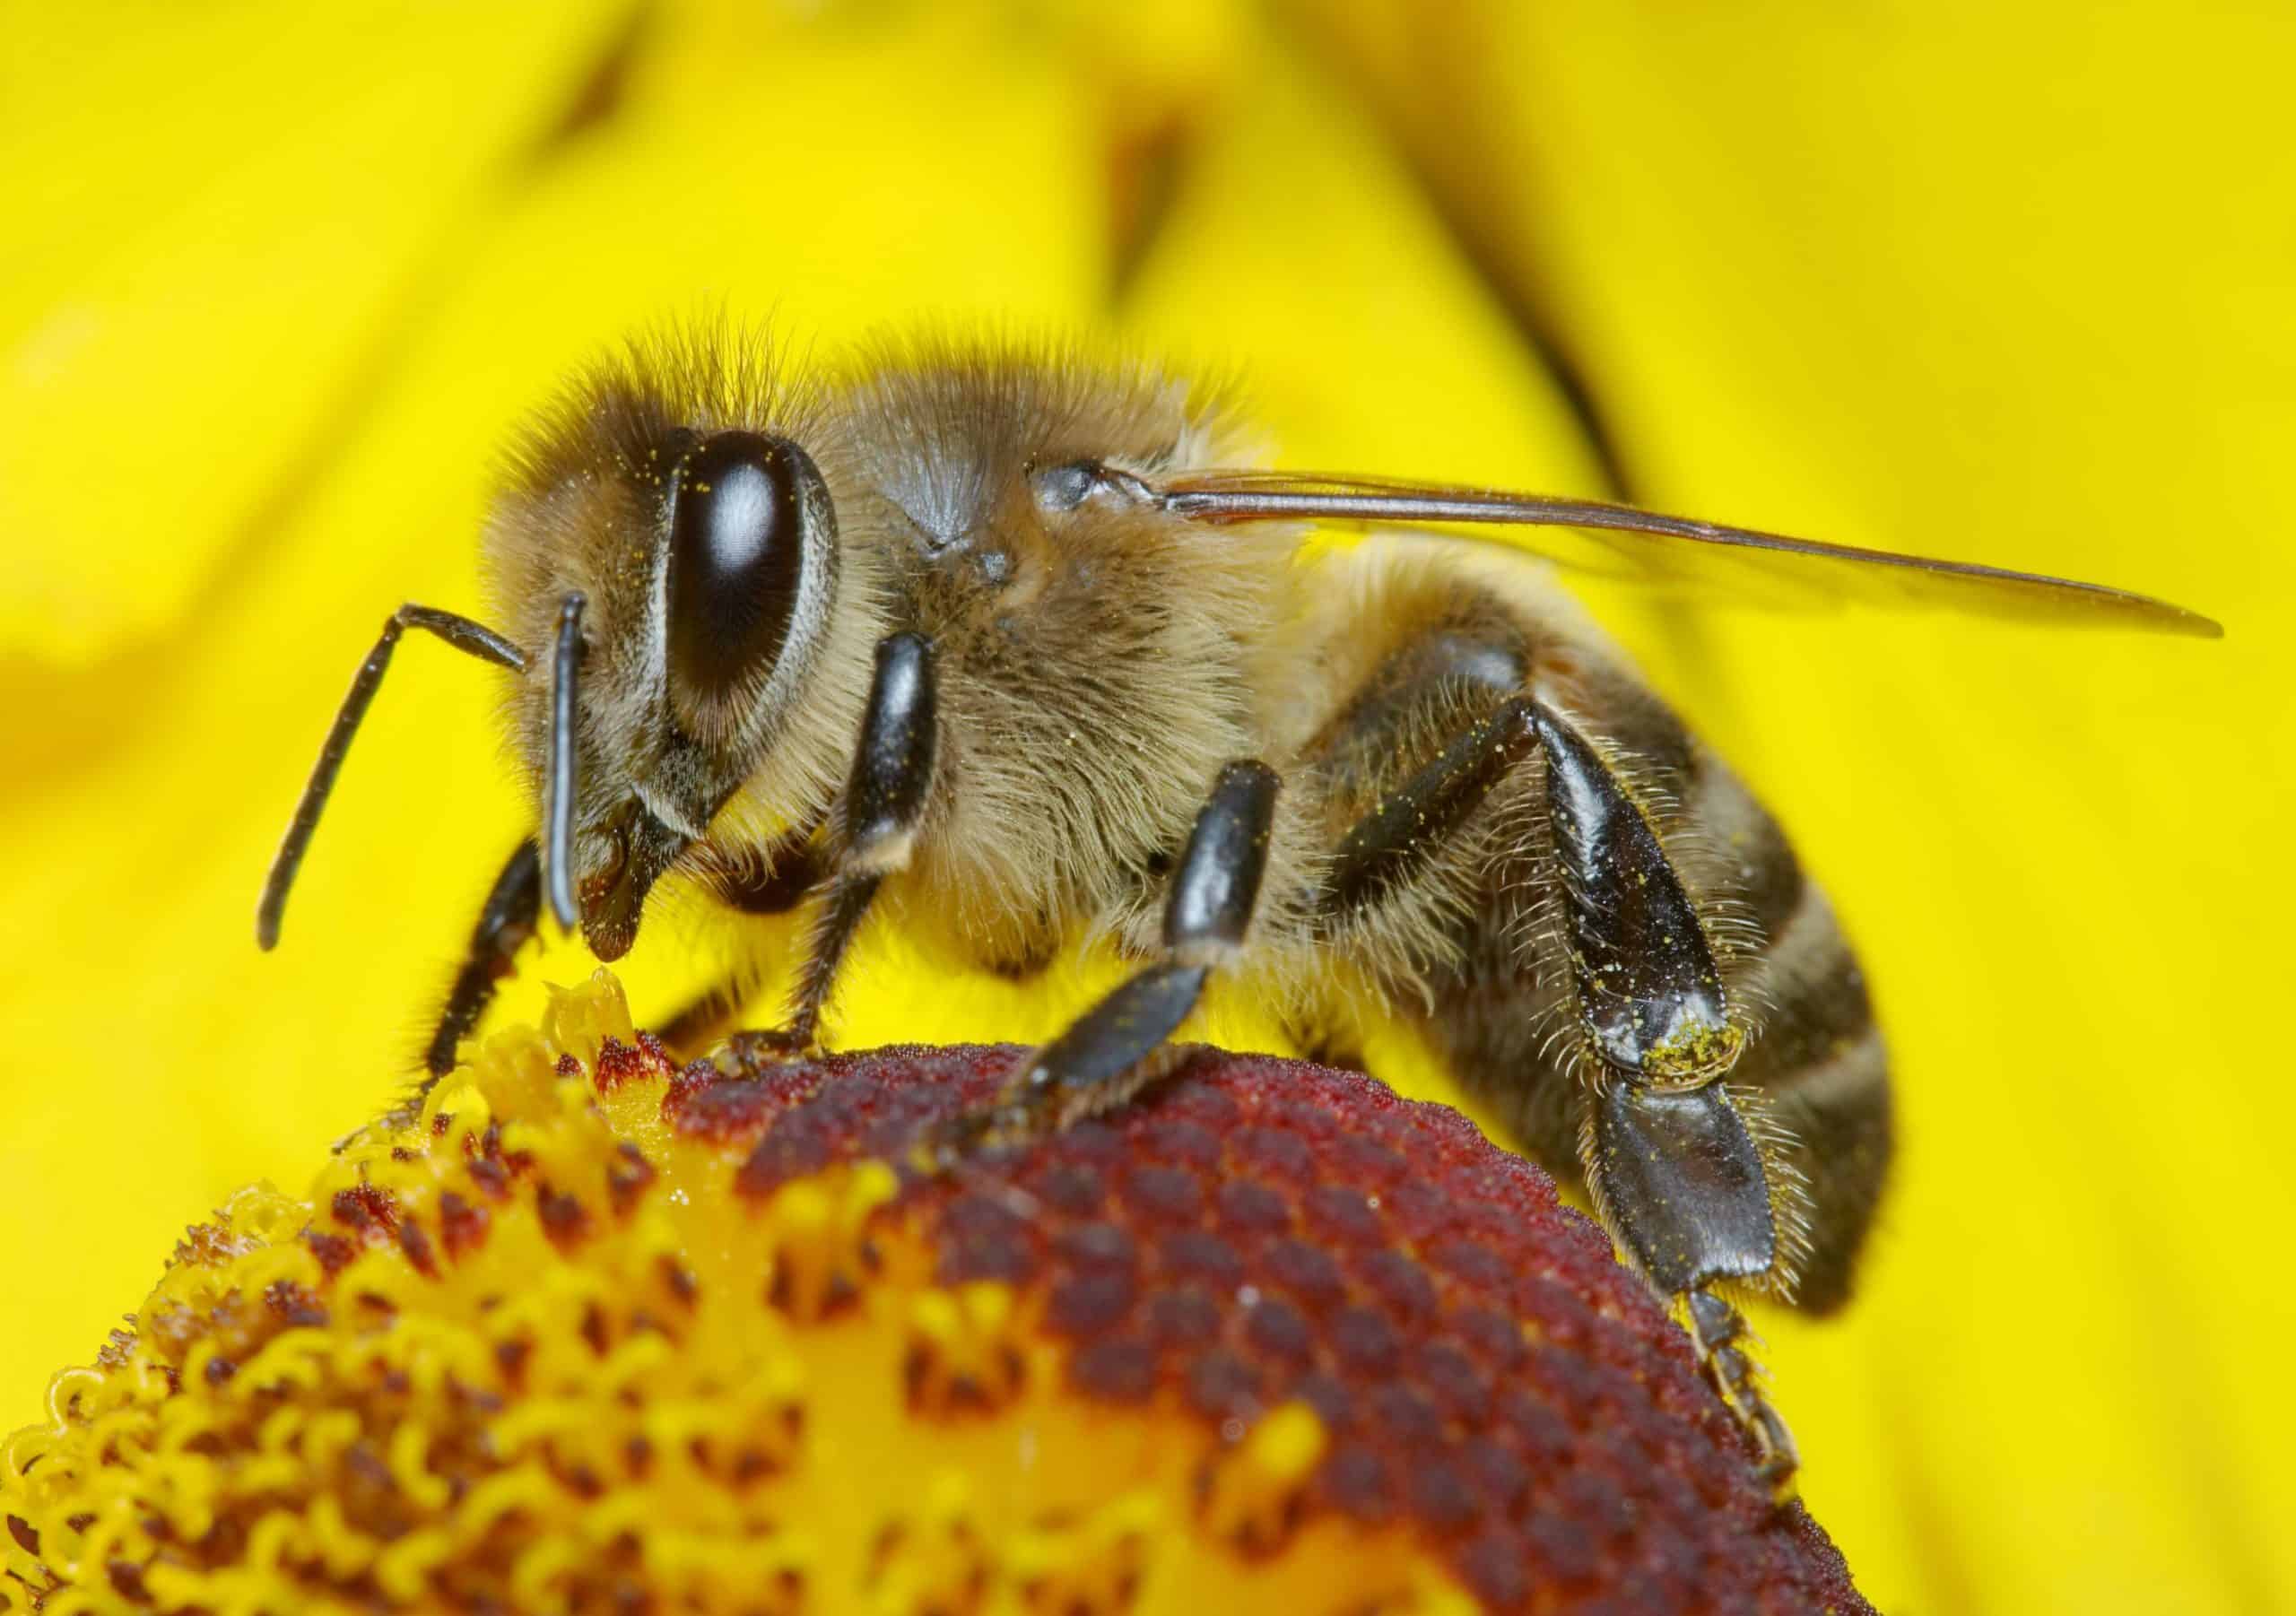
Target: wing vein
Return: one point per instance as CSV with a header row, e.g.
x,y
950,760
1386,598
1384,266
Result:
x,y
1224,497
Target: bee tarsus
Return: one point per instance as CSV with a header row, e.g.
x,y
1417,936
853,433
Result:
x,y
843,908
1716,1328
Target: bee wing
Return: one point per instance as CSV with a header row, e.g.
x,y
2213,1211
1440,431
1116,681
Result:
x,y
1613,539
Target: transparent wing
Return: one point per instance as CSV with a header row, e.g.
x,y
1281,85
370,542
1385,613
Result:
x,y
1615,540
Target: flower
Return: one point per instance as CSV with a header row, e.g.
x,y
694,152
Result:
x,y
2011,286
595,1332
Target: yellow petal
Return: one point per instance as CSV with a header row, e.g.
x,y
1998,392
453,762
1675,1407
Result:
x,y
221,220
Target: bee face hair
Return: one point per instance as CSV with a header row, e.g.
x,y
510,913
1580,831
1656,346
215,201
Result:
x,y
672,489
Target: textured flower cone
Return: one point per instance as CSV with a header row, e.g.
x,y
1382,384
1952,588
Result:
x,y
601,1334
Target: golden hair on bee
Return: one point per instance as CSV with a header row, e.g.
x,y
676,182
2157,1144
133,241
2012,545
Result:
x,y
997,639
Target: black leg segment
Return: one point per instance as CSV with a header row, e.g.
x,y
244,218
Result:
x,y
1216,885
1674,1165
1117,1047
457,632
876,826
841,914
1121,1031
1669,1156
1649,992
795,866
1394,841
693,1024
512,913
892,771
1680,1180
1207,910
1716,1328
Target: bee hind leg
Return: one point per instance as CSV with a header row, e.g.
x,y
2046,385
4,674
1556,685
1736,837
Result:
x,y
1679,1163
1683,1167
1678,1177
1117,1048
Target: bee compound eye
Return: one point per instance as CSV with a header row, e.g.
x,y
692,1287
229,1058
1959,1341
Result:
x,y
749,518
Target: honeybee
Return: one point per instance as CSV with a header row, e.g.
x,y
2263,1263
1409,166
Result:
x,y
994,640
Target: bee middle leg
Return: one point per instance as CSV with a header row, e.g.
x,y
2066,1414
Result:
x,y
1117,1048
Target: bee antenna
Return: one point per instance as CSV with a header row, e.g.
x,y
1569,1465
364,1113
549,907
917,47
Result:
x,y
459,631
558,792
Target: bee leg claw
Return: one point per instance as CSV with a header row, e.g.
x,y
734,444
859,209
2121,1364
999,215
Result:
x,y
1112,1052
1716,1329
757,1049
947,1145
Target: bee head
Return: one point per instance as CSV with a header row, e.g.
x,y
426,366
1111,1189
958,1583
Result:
x,y
678,558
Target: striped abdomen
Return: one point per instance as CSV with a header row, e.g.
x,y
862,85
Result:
x,y
1502,1007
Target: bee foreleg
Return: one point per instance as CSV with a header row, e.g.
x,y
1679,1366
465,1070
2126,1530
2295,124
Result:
x,y
513,911
1117,1048
876,825
838,919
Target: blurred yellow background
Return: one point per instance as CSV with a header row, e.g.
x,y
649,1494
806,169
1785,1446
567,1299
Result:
x,y
2020,288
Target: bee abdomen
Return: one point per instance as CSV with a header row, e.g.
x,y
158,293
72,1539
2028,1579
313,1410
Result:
x,y
1820,1062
